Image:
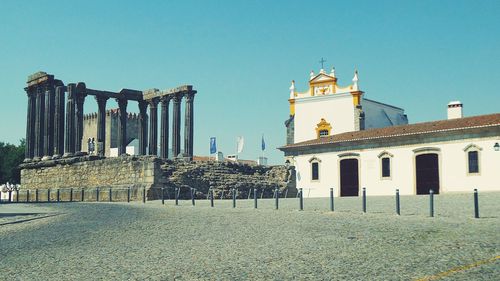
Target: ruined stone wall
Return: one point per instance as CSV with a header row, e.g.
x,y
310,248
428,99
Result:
x,y
150,174
223,176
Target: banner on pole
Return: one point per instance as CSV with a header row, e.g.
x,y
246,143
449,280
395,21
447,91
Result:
x,y
241,142
263,144
213,145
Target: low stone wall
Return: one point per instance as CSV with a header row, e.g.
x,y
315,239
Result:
x,y
95,175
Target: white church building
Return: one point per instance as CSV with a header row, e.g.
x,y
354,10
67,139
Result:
x,y
336,138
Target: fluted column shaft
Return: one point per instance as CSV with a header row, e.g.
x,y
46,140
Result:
x,y
153,127
188,125
176,125
122,126
59,122
143,127
101,124
48,148
69,141
39,122
165,101
80,99
30,125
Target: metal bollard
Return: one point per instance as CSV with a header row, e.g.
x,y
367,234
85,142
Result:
x,y
286,192
110,195
58,194
82,196
36,195
163,196
364,200
10,196
17,195
48,195
144,195
431,203
211,198
332,207
27,196
177,196
276,198
222,195
71,195
192,196
262,194
255,198
249,193
398,210
97,194
476,204
301,199
234,198
128,194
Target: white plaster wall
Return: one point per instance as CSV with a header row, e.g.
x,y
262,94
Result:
x,y
375,117
338,110
452,160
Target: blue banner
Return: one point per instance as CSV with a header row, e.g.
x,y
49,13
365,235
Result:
x,y
213,146
263,143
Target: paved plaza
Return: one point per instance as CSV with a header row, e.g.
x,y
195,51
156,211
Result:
x,y
135,241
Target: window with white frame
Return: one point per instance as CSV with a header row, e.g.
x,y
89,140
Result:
x,y
314,168
472,153
385,164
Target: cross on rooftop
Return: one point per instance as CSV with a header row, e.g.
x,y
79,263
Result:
x,y
322,61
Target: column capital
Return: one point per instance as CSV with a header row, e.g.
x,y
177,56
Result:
x,y
190,96
165,99
122,103
153,103
177,97
101,99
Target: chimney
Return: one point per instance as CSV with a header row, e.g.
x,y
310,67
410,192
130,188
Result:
x,y
455,110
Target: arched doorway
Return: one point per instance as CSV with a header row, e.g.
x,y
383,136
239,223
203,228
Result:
x,y
349,177
427,173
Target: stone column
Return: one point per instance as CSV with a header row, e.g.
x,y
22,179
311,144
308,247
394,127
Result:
x,y
80,99
188,125
176,126
39,123
165,101
101,124
30,125
69,141
122,126
59,122
153,126
48,148
143,127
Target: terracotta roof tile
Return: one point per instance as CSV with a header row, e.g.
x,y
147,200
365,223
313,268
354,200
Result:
x,y
404,130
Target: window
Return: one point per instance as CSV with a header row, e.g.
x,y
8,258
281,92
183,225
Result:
x,y
472,159
323,128
315,171
323,133
473,162
386,167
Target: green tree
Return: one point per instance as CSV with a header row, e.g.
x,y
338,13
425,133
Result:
x,y
10,158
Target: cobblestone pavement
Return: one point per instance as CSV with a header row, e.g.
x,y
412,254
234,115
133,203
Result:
x,y
135,241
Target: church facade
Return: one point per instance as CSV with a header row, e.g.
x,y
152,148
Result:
x,y
336,138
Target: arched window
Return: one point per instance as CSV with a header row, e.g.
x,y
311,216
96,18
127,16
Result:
x,y
385,164
472,153
314,168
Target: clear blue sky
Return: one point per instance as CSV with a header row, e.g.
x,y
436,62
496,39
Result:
x,y
242,55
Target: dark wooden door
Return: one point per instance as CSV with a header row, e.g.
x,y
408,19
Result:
x,y
427,173
349,177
